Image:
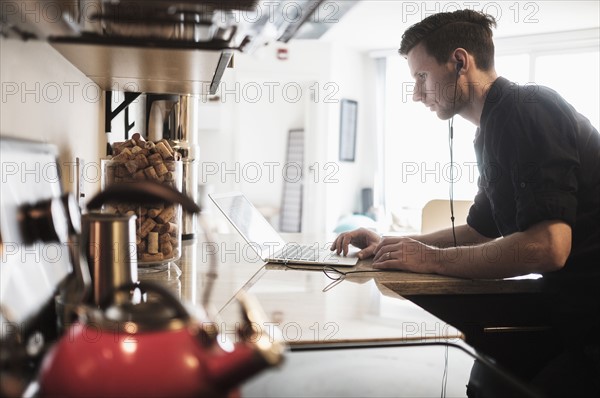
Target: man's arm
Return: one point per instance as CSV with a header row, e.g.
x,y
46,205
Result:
x,y
368,240
465,236
544,247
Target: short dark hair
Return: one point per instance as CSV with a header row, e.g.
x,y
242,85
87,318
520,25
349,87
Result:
x,y
444,32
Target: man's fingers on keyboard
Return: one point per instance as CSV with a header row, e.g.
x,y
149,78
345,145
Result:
x,y
346,242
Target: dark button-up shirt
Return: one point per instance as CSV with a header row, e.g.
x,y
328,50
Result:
x,y
538,160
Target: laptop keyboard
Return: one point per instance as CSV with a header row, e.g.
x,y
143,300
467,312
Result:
x,y
300,252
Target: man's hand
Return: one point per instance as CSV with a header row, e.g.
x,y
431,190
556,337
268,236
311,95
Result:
x,y
405,254
362,238
543,247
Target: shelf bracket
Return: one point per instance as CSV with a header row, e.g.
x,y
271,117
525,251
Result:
x,y
109,114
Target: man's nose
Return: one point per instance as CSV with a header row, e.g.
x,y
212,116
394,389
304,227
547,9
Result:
x,y
418,93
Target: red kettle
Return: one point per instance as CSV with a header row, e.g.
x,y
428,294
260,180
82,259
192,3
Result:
x,y
155,348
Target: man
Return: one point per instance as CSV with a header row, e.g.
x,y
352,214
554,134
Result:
x,y
538,205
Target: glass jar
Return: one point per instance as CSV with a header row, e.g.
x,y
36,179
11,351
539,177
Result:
x,y
158,226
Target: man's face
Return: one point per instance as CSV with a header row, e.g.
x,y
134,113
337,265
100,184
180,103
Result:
x,y
434,82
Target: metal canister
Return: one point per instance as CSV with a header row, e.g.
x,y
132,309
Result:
x,y
111,252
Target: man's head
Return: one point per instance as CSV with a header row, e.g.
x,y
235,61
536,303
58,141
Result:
x,y
451,57
442,33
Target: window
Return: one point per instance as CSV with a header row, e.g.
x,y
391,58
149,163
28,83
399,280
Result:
x,y
416,142
417,160
514,67
575,77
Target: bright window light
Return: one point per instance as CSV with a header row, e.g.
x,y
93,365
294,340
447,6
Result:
x,y
417,160
575,77
417,155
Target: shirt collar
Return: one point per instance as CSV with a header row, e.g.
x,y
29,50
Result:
x,y
499,90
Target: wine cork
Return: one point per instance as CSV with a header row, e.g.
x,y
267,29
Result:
x,y
160,169
109,208
150,173
165,153
139,140
152,257
166,237
146,227
166,215
153,242
131,166
139,175
123,208
121,171
155,158
123,156
161,228
167,144
117,147
170,176
171,166
150,146
154,212
142,161
166,248
172,228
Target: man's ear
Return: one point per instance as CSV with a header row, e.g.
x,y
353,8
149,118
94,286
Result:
x,y
460,59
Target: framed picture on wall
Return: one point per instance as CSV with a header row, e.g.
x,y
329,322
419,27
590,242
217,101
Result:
x,y
348,116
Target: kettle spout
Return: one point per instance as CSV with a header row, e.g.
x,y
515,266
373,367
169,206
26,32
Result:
x,y
233,368
257,351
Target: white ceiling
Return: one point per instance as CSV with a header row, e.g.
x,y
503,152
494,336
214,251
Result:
x,y
379,24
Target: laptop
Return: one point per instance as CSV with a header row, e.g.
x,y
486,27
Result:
x,y
267,243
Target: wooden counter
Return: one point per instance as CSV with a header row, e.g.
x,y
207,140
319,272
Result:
x,y
311,308
307,306
408,283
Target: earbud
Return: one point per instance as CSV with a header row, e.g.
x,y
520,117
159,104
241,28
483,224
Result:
x,y
459,66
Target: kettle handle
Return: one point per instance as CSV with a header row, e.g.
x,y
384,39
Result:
x,y
142,192
146,286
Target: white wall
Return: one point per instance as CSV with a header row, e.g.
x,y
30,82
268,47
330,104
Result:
x,y
354,74
262,98
45,98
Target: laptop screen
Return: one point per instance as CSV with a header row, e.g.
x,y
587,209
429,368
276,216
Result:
x,y
250,223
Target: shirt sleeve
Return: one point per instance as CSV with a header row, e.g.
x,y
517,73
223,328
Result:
x,y
480,215
540,147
